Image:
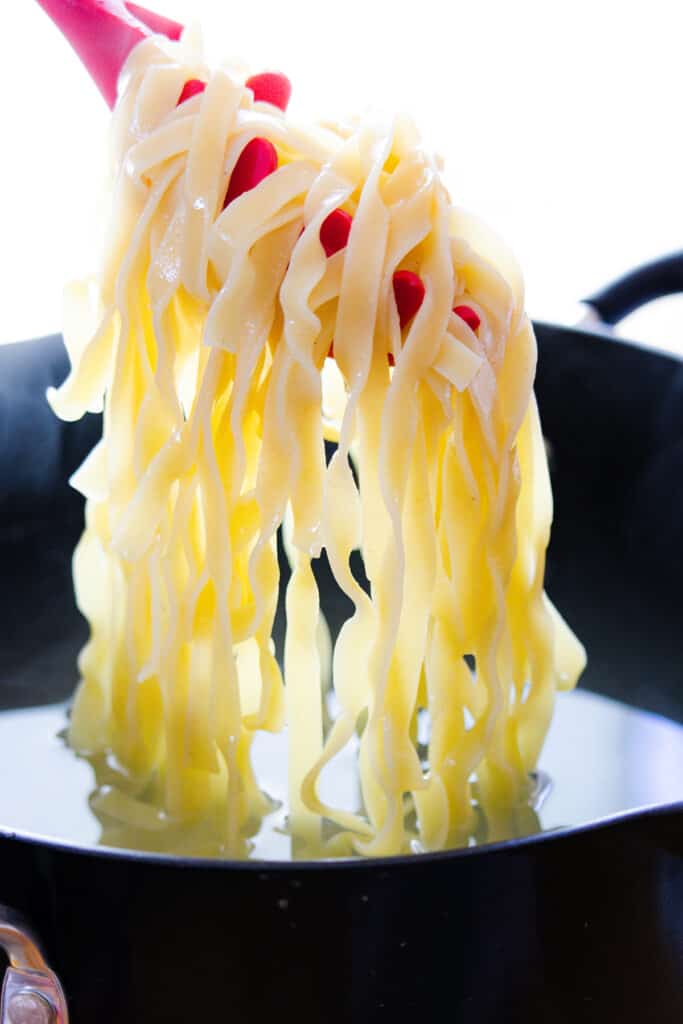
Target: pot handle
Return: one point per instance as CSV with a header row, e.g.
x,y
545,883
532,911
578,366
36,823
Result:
x,y
31,993
650,281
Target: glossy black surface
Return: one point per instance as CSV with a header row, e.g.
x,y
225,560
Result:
x,y
583,928
586,926
613,415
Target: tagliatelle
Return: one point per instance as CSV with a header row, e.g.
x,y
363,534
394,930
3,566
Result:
x,y
207,337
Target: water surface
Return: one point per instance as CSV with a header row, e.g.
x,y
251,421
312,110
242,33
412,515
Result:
x,y
603,758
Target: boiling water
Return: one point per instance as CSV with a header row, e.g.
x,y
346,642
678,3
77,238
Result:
x,y
601,758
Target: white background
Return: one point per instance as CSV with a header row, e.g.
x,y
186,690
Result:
x,y
560,124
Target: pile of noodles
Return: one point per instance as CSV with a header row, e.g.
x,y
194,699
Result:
x,y
205,340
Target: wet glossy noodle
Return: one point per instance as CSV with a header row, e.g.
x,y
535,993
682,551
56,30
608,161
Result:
x,y
226,344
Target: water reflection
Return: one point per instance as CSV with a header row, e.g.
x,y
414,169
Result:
x,y
130,817
603,758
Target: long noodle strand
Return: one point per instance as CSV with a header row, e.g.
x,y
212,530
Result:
x,y
206,339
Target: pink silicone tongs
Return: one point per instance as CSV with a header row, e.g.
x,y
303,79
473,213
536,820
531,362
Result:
x,y
103,32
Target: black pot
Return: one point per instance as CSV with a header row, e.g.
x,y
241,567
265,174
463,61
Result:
x,y
585,924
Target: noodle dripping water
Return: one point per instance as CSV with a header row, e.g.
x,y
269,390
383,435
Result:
x,y
269,287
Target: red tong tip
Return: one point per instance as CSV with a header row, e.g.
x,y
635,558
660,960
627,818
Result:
x,y
271,87
409,292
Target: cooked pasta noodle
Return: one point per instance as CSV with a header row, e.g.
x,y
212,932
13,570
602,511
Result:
x,y
206,339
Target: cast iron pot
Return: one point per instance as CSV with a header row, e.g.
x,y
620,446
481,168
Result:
x,y
583,925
